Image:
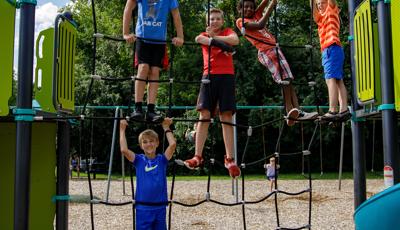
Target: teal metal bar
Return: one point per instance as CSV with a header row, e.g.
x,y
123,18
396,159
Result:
x,y
240,107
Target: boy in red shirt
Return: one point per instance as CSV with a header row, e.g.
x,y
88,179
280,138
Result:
x,y
220,92
326,15
264,41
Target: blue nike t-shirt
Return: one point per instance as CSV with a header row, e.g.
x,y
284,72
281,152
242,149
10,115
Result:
x,y
151,180
152,18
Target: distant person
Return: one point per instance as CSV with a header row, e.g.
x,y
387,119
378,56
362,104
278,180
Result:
x,y
190,135
270,171
326,15
151,175
152,25
220,92
259,36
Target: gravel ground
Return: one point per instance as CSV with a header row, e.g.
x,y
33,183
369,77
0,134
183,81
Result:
x,y
331,209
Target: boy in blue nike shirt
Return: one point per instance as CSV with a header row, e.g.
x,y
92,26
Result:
x,y
151,178
152,25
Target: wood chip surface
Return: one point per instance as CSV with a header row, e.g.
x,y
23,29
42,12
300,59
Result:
x,y
331,208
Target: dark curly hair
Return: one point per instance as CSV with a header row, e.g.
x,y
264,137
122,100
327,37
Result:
x,y
241,3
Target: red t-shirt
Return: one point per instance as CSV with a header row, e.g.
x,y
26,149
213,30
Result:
x,y
263,34
220,62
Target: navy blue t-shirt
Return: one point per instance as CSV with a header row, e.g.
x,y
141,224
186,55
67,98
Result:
x,y
151,180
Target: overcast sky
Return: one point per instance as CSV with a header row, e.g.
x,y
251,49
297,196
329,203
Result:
x,y
46,12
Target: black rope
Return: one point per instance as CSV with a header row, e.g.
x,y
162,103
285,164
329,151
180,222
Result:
x,y
119,39
89,92
171,197
87,163
133,196
243,198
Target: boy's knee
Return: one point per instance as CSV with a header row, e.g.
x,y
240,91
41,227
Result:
x,y
204,114
226,116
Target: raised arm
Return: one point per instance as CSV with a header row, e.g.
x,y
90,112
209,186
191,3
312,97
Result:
x,y
314,8
260,24
130,155
129,6
169,152
179,39
262,6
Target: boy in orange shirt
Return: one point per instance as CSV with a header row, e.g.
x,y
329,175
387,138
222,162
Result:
x,y
254,24
326,15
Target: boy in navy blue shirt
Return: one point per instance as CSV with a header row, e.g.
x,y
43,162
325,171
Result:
x,y
152,25
151,178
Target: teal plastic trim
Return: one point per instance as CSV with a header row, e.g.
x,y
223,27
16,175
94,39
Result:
x,y
375,1
358,119
387,1
350,38
24,111
386,107
24,118
32,2
60,197
24,114
73,121
105,107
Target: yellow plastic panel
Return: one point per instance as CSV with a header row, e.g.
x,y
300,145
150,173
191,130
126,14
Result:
x,y
364,51
65,67
7,20
395,8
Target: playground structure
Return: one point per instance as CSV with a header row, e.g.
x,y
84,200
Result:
x,y
36,155
29,161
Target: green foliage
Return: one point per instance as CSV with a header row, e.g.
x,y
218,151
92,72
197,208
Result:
x,y
254,83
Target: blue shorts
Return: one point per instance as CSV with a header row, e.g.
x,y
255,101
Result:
x,y
154,219
332,61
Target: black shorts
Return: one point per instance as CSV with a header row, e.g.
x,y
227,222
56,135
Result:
x,y
222,94
150,53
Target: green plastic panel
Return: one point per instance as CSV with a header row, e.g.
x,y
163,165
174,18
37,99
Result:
x,y
364,49
377,66
44,70
7,22
43,179
395,8
65,67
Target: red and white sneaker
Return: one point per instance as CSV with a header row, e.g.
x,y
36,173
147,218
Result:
x,y
292,116
234,170
194,163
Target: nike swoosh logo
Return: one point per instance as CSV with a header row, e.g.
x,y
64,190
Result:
x,y
148,169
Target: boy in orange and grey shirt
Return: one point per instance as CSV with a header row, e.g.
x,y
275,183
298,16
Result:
x,y
326,15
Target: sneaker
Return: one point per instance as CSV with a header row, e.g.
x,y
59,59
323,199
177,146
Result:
x,y
153,117
329,116
292,116
307,116
344,116
194,163
137,115
283,82
234,170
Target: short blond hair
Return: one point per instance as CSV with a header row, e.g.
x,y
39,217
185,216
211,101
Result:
x,y
147,133
215,10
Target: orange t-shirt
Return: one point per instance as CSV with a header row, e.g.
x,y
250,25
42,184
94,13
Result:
x,y
263,34
220,62
329,26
